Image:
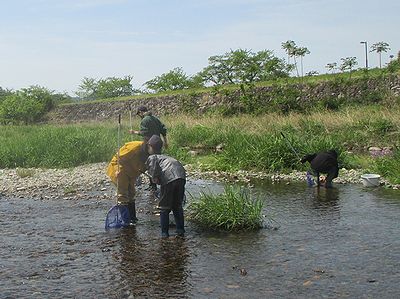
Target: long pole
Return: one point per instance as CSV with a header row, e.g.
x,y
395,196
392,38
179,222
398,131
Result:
x,y
119,145
291,147
130,117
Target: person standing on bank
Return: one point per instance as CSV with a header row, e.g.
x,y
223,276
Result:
x,y
324,162
150,125
170,174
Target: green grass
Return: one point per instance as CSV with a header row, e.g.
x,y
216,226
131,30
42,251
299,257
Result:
x,y
249,142
232,210
56,146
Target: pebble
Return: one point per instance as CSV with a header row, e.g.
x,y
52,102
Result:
x,y
82,180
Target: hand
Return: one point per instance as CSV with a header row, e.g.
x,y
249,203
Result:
x,y
133,132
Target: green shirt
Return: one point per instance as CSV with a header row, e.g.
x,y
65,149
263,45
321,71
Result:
x,y
151,125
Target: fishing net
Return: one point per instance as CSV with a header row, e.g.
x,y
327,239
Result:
x,y
118,216
310,179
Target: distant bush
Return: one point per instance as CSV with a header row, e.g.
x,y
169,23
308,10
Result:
x,y
26,106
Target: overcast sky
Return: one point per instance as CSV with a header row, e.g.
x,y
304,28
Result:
x,y
56,43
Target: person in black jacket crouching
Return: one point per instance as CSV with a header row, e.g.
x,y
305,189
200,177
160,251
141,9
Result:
x,y
326,163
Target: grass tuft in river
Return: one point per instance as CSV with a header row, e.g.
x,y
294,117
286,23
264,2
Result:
x,y
232,210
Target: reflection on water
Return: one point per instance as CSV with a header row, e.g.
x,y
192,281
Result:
x,y
157,268
340,242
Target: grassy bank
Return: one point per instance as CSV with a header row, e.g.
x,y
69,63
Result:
x,y
249,142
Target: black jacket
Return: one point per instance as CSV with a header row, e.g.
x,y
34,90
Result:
x,y
322,162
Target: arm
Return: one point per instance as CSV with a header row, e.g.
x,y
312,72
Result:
x,y
144,128
165,141
153,168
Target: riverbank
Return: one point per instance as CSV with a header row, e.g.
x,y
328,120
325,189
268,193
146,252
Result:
x,y
90,181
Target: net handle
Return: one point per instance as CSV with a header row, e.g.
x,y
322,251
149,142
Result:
x,y
119,145
130,117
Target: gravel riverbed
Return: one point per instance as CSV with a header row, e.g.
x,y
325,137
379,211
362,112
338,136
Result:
x,y
88,181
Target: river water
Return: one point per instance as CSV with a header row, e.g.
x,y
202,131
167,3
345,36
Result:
x,y
339,243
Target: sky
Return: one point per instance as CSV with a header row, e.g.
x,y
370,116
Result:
x,y
56,43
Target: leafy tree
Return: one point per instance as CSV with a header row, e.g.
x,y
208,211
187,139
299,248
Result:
x,y
331,67
301,52
176,79
4,93
379,48
243,66
114,87
289,47
87,89
293,51
348,63
26,106
92,89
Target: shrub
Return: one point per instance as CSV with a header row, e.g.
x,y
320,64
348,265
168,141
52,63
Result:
x,y
26,106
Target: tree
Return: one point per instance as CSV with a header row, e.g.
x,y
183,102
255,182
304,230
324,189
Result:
x,y
4,93
175,79
243,66
87,89
379,48
331,67
301,52
348,63
111,87
290,46
27,105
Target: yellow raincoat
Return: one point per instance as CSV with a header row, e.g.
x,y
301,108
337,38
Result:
x,y
131,164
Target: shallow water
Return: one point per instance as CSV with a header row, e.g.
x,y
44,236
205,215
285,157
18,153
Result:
x,y
339,243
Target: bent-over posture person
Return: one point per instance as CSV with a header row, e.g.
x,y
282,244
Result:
x,y
170,174
324,162
132,158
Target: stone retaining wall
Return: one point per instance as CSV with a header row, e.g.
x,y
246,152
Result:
x,y
199,103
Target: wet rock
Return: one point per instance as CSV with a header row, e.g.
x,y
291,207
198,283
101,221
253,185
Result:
x,y
219,148
82,180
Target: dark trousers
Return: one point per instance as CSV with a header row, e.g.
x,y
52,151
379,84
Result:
x,y
331,174
171,199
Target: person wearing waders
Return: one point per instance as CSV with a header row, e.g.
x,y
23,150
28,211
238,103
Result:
x,y
132,158
149,126
323,162
170,174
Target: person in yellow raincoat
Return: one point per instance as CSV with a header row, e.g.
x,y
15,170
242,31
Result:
x,y
132,158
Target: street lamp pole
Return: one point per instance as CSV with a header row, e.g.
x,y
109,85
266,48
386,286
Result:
x,y
366,54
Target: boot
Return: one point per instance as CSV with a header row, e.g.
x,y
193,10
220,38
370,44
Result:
x,y
164,221
132,212
180,222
